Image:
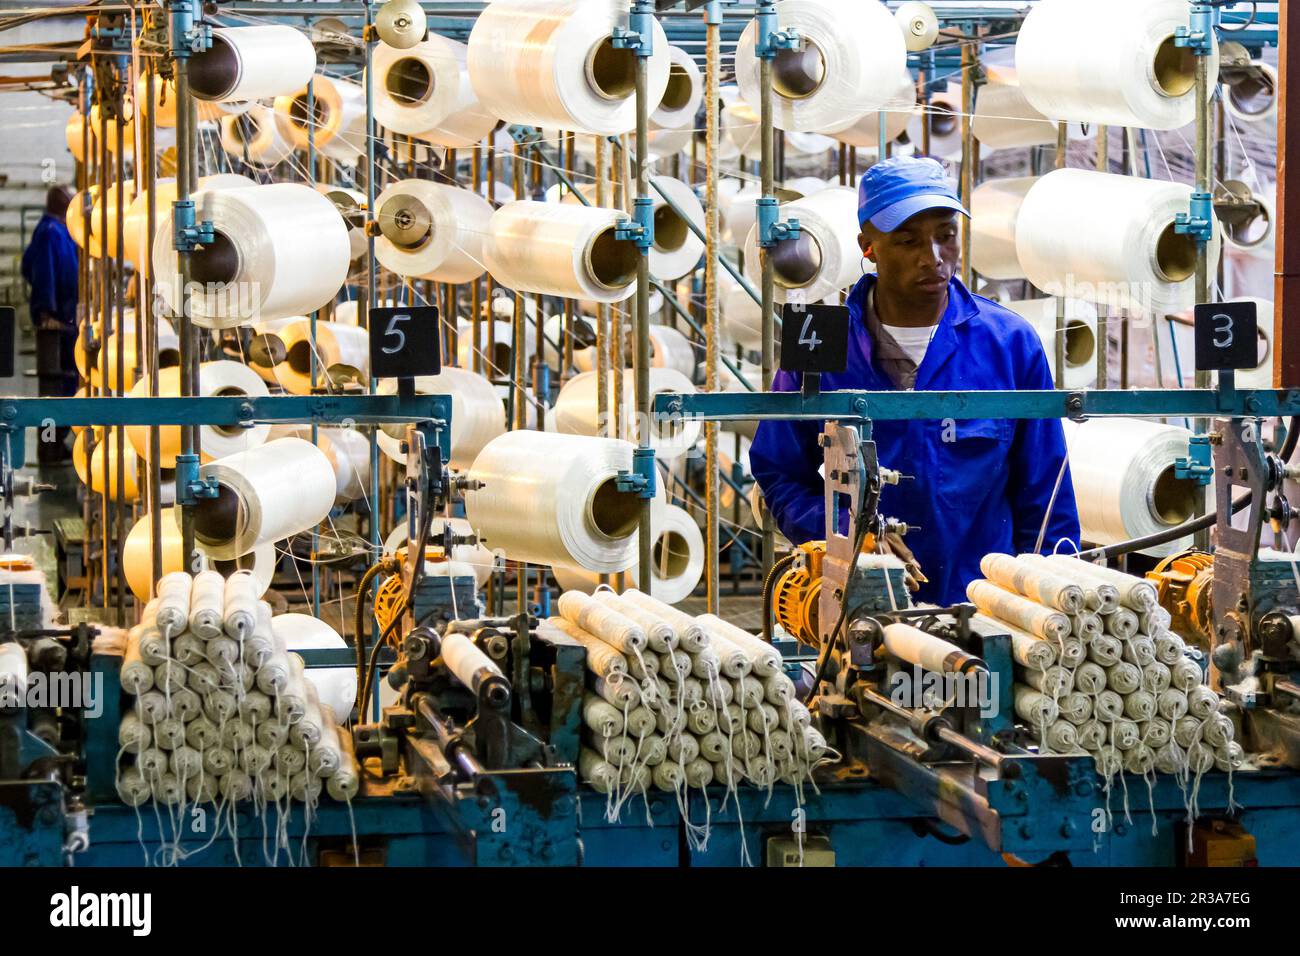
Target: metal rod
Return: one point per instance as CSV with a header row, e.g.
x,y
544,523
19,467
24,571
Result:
x,y
642,319
712,330
1058,338
768,287
1103,311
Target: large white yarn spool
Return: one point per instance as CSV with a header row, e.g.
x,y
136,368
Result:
x,y
1243,227
252,63
222,377
1074,65
553,63
351,206
742,317
135,233
678,553
336,686
477,415
1004,118
549,498
137,560
669,348
168,351
1124,482
347,449
1252,98
105,203
266,349
271,492
1109,238
255,137
280,249
737,212
943,115
576,411
425,92
337,121
560,249
676,250
682,94
851,57
739,124
477,556
826,256
130,463
342,355
497,360
1261,376
994,207
1080,336
431,230
899,109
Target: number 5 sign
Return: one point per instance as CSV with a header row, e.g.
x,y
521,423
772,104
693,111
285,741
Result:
x,y
1226,336
404,342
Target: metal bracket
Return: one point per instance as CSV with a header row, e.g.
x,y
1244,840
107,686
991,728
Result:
x,y
187,35
190,486
770,229
770,40
1199,35
640,229
1198,465
186,234
638,35
640,481
1199,221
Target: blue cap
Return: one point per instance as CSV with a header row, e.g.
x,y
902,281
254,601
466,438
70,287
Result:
x,y
892,192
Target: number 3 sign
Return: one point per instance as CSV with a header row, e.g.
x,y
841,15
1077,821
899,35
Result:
x,y
1226,336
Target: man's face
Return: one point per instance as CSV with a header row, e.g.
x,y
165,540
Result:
x,y
920,256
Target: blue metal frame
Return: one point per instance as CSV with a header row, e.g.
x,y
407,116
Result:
x,y
863,405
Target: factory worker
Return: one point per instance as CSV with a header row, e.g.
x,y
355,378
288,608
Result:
x,y
979,486
50,267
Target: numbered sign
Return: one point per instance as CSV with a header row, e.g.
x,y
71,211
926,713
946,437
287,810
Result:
x,y
404,342
814,338
1226,336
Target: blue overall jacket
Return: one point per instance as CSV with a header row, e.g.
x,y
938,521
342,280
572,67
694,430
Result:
x,y
980,485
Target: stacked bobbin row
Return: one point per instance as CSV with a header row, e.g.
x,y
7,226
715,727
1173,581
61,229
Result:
x,y
1099,671
675,701
221,710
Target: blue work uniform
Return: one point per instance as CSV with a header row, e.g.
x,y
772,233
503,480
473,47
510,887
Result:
x,y
50,266
980,485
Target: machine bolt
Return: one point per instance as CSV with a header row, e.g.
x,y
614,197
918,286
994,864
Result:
x,y
1083,788
1067,828
9,412
564,806
860,405
1026,830
505,853
1227,471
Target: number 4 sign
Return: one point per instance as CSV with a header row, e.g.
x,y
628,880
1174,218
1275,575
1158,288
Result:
x,y
404,342
814,338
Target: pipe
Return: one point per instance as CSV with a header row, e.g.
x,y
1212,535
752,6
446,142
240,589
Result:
x,y
645,567
146,309
712,548
768,288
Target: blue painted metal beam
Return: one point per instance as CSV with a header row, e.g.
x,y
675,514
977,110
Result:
x,y
855,405
224,410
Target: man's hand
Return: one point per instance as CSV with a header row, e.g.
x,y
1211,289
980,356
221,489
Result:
x,y
50,324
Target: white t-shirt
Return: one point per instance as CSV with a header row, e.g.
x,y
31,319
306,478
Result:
x,y
913,341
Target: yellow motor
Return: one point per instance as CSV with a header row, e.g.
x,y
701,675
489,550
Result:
x,y
796,586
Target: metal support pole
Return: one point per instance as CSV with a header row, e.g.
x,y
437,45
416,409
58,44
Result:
x,y
1058,339
151,323
1286,285
182,17
968,60
713,60
644,411
1103,311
